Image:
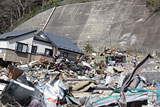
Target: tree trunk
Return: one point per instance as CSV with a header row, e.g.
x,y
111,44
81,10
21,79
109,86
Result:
x,y
19,11
23,9
11,20
4,22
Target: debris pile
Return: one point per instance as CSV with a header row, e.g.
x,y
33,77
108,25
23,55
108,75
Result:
x,y
99,79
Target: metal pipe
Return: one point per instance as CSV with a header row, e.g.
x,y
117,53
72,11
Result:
x,y
48,19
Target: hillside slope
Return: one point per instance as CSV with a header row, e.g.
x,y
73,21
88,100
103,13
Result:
x,y
124,24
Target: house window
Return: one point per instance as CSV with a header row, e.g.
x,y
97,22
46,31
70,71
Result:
x,y
65,54
48,52
21,47
34,49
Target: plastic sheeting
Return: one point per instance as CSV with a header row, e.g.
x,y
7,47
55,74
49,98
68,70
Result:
x,y
53,92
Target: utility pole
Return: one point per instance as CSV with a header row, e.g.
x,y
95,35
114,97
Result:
x,y
30,53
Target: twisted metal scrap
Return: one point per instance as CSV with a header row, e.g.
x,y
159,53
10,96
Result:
x,y
137,70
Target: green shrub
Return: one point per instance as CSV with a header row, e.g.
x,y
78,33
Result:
x,y
153,5
88,48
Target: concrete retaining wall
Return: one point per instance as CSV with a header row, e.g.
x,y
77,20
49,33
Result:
x,y
105,23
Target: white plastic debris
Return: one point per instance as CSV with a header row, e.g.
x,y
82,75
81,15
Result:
x,y
86,64
54,92
94,54
23,67
2,86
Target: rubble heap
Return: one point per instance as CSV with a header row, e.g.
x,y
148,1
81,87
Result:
x,y
99,79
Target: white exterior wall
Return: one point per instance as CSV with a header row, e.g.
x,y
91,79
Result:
x,y
26,39
3,44
41,46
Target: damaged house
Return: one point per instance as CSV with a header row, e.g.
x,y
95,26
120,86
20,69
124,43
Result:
x,y
28,45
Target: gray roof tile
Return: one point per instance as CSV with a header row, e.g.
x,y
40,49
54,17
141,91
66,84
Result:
x,y
16,33
62,42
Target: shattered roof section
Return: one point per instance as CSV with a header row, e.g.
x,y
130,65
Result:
x,y
37,37
16,33
62,42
